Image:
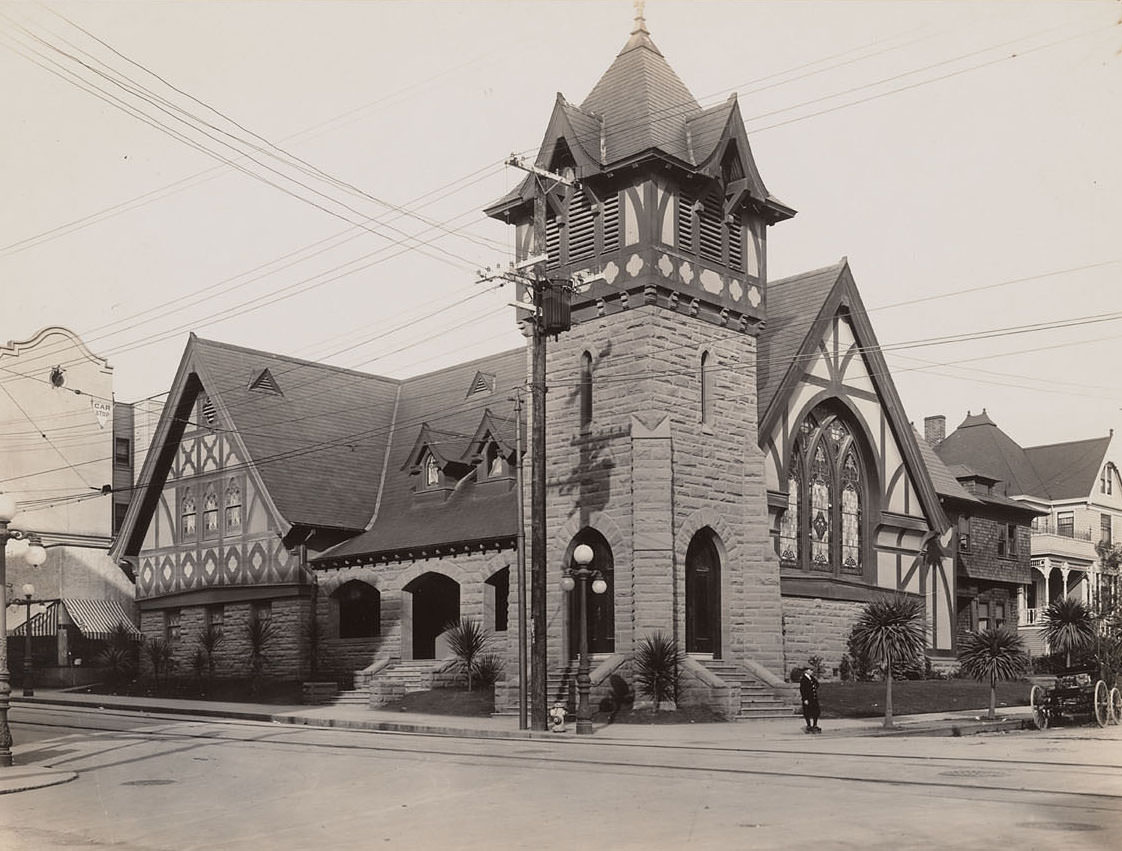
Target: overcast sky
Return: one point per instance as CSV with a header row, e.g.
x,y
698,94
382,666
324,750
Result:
x,y
964,156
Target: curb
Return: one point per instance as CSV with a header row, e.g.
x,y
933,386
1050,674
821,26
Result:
x,y
155,709
23,779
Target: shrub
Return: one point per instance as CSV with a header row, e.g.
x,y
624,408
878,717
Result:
x,y
817,666
158,652
845,669
121,656
210,639
261,635
489,669
658,667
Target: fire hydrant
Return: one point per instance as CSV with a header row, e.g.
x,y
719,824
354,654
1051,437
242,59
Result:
x,y
557,718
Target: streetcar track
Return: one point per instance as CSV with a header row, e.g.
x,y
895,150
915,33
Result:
x,y
1108,800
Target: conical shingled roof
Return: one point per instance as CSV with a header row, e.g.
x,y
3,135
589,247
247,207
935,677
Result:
x,y
642,102
982,446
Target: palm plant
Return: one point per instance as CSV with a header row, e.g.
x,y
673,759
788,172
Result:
x,y
467,641
159,655
120,656
890,630
210,639
1067,626
260,635
658,667
993,654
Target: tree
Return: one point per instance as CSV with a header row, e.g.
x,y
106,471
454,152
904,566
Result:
x,y
1067,626
658,667
890,630
993,654
467,641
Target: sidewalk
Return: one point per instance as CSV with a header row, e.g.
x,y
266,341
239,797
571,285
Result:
x,y
351,717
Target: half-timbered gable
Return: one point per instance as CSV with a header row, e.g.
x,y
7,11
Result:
x,y
850,501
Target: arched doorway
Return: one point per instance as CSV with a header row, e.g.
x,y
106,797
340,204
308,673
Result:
x,y
601,607
436,602
703,595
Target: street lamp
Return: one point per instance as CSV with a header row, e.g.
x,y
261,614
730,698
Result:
x,y
28,683
35,556
581,575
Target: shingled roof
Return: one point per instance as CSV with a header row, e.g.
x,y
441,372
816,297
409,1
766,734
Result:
x,y
330,445
793,306
1066,470
311,442
402,521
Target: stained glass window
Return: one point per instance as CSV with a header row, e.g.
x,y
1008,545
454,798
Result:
x,y
210,513
188,516
233,506
432,472
822,527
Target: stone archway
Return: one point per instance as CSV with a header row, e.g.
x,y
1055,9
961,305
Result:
x,y
435,601
703,595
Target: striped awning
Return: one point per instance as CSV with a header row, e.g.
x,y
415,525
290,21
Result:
x,y
44,620
98,618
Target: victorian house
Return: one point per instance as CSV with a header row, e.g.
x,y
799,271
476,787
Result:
x,y
731,447
1072,489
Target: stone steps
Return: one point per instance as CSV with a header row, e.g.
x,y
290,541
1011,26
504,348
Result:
x,y
394,682
757,699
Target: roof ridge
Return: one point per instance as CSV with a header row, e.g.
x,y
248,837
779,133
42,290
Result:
x,y
841,264
464,364
1067,442
295,360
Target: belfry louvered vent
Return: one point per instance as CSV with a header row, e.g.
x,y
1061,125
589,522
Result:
x,y
685,221
736,245
582,228
710,227
553,242
265,383
611,222
482,383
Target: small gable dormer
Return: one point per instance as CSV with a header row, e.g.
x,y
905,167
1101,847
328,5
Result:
x,y
491,455
433,471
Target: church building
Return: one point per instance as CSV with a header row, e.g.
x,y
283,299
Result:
x,y
731,448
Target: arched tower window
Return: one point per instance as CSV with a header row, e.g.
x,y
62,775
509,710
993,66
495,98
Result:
x,y
585,390
706,389
823,526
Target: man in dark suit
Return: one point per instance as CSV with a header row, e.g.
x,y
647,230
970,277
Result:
x,y
808,689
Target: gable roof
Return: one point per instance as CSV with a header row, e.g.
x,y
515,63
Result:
x,y
945,480
308,448
1069,470
799,311
793,306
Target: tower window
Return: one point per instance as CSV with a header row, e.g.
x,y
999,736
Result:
x,y
585,390
431,470
706,389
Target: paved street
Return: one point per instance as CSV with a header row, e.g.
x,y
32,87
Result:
x,y
161,782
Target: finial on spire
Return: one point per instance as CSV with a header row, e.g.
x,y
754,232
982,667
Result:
x,y
640,21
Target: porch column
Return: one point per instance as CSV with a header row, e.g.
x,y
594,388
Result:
x,y
1064,571
1021,609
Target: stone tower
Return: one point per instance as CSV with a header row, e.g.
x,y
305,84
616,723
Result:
x,y
652,443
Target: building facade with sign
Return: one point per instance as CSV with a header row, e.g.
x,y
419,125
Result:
x,y
66,455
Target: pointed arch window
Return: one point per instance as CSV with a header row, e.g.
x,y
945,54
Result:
x,y
585,390
187,517
823,527
496,464
233,506
210,513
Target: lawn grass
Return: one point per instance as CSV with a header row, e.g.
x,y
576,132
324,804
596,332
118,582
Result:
x,y
447,701
910,697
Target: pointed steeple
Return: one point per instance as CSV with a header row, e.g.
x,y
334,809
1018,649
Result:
x,y
641,100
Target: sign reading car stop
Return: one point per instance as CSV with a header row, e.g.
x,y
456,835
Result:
x,y
103,410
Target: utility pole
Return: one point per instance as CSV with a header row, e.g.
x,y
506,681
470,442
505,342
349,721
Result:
x,y
548,306
520,537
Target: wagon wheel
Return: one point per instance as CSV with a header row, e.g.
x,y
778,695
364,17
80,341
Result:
x,y
1102,706
1115,702
1039,714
